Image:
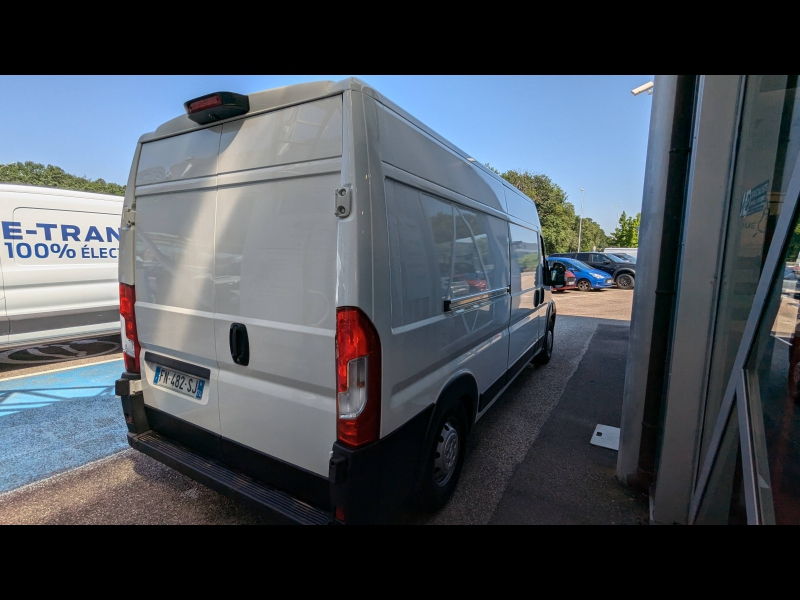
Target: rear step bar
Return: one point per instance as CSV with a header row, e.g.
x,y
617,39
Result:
x,y
230,483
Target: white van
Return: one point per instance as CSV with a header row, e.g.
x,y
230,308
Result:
x,y
58,264
632,252
321,296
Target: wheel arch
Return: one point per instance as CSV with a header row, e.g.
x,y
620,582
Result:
x,y
625,271
462,388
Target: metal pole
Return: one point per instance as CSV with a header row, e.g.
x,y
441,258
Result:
x,y
580,223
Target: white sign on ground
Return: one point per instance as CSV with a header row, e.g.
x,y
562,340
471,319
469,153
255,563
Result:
x,y
605,436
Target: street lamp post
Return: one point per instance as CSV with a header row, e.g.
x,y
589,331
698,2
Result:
x,y
580,223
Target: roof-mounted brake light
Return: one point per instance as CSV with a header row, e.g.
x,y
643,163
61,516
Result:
x,y
216,107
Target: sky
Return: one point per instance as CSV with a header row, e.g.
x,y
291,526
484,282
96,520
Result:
x,y
581,131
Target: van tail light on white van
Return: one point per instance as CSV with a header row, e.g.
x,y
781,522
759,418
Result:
x,y
127,318
358,378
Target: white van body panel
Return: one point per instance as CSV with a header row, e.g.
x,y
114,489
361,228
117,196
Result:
x,y
59,264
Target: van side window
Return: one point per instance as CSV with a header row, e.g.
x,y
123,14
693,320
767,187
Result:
x,y
480,252
439,217
524,258
420,250
439,251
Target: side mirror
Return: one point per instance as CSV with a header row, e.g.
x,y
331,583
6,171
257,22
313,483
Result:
x,y
606,261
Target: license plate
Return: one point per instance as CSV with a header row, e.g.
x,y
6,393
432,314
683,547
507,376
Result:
x,y
179,382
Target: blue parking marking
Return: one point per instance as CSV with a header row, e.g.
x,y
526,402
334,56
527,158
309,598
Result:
x,y
58,420
36,391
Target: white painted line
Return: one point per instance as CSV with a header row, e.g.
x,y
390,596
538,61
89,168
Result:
x,y
605,436
780,339
100,362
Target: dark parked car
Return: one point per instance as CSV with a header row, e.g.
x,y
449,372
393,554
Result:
x,y
622,271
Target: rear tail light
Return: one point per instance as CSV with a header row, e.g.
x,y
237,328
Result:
x,y
358,378
127,318
338,513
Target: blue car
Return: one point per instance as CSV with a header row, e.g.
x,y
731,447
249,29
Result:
x,y
586,278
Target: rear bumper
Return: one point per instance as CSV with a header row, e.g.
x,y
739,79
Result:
x,y
365,484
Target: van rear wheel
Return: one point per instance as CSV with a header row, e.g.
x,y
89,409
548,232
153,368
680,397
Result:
x,y
445,459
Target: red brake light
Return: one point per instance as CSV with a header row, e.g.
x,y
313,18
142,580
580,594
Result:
x,y
216,107
130,339
358,378
209,102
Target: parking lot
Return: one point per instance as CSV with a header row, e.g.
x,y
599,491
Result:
x,y
64,459
611,303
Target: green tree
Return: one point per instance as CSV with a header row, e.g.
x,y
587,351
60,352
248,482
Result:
x,y
555,213
32,173
592,236
626,235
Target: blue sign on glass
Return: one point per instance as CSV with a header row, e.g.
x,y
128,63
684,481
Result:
x,y
754,200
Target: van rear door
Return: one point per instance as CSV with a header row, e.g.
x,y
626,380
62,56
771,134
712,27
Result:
x,y
275,279
176,194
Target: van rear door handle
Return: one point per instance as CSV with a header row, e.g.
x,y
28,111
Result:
x,y
239,344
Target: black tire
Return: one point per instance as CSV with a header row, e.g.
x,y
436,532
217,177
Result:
x,y
584,285
625,281
547,352
435,491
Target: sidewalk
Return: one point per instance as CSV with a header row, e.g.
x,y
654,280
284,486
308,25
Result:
x,y
564,479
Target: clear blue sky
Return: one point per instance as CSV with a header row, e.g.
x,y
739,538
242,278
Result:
x,y
582,131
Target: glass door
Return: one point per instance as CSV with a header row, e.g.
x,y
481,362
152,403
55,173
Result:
x,y
750,456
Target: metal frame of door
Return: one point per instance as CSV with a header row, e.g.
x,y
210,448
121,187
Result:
x,y
742,388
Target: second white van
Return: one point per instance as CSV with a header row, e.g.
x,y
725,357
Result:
x,y
58,264
320,296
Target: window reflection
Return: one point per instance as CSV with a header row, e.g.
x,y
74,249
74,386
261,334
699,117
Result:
x,y
439,251
469,269
774,399
439,216
767,150
524,258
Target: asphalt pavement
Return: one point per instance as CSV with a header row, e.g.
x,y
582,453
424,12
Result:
x,y
512,452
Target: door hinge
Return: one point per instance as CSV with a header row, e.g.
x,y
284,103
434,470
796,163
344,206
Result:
x,y
343,201
129,217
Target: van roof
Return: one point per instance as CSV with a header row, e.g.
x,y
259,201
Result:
x,y
23,188
300,93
